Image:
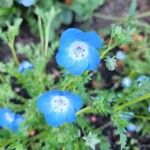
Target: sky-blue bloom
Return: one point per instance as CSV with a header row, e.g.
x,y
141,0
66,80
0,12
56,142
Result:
x,y
126,82
120,55
78,51
10,120
59,107
131,127
25,66
26,3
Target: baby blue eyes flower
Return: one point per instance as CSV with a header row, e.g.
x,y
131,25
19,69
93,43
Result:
x,y
131,127
10,120
142,79
78,51
59,107
126,82
120,55
25,66
26,3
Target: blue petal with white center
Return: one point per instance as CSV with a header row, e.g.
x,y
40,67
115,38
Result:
x,y
78,51
59,107
10,120
25,66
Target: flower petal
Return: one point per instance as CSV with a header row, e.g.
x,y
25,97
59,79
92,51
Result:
x,y
16,123
44,100
70,115
63,59
75,100
55,119
6,117
68,37
78,67
93,39
94,59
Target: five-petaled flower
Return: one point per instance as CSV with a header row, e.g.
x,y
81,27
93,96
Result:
x,y
78,51
25,66
10,120
59,107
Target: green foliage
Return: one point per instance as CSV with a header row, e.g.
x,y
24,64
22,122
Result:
x,y
91,140
19,92
6,3
122,35
12,32
84,8
110,63
121,131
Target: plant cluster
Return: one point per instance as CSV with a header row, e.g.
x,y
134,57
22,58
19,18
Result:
x,y
43,108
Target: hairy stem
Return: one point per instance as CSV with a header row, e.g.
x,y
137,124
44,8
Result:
x,y
41,33
85,110
15,58
47,30
131,102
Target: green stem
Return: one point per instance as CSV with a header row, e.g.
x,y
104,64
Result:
x,y
41,33
131,102
144,14
85,110
1,77
107,50
11,45
106,17
47,30
114,18
142,117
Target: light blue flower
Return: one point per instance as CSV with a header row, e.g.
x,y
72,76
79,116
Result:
x,y
78,51
120,55
25,66
26,3
131,127
10,120
142,79
59,107
126,82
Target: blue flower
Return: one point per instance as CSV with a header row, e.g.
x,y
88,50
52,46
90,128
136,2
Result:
x,y
131,127
25,66
10,120
142,79
126,82
78,51
120,55
59,107
26,3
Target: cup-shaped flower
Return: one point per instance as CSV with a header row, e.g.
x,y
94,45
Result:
x,y
25,66
26,3
10,120
78,51
59,107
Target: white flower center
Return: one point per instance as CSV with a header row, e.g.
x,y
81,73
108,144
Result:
x,y
9,117
78,50
59,104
